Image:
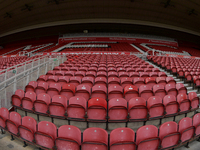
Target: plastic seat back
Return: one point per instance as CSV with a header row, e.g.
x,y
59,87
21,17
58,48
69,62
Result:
x,y
159,90
194,99
13,122
17,97
69,137
196,124
117,110
186,129
147,137
41,88
58,106
95,138
137,109
41,104
46,134
130,91
31,86
83,90
155,107
99,91
68,90
77,108
27,128
122,138
184,103
97,110
171,89
171,105
115,91
28,99
169,135
4,115
145,91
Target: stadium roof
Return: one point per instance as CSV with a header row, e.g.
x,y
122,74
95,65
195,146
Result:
x,y
160,17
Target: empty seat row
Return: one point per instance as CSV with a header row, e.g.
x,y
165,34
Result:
x,y
97,109
114,90
46,135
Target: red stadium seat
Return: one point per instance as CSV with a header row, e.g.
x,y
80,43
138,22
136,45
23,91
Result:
x,y
159,90
99,91
130,91
58,106
117,110
46,134
184,103
100,81
155,107
161,81
170,80
54,89
75,81
63,80
186,129
137,109
145,91
196,124
115,91
171,105
138,81
113,81
17,97
76,109
69,137
13,122
27,128
122,139
68,90
41,88
95,138
28,100
83,90
87,81
42,78
97,110
181,88
4,115
52,79
194,99
150,81
31,86
169,135
147,138
171,89
41,104
126,81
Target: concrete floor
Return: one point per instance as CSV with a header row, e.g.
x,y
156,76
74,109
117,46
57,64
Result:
x,y
17,144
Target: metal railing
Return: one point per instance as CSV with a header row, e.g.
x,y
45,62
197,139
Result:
x,y
24,73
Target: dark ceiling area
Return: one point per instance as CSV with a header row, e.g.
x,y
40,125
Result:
x,y
99,28
22,19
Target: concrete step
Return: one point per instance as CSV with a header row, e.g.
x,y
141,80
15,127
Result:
x,y
180,82
192,91
189,88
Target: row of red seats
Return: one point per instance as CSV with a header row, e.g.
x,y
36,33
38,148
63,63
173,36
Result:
x,y
111,47
189,74
138,108
12,61
126,89
46,135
